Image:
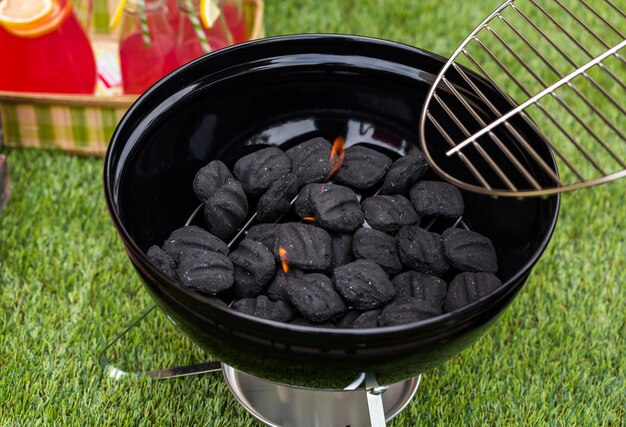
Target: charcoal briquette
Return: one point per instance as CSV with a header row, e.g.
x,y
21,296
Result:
x,y
277,199
303,205
192,237
363,284
210,178
341,249
420,285
377,246
264,233
347,319
367,319
257,171
208,273
265,308
362,168
227,209
356,319
403,173
468,287
435,198
421,250
254,268
307,247
389,213
277,289
333,206
314,297
469,251
407,310
337,208
310,160
162,261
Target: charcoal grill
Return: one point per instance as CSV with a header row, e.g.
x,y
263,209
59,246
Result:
x,y
280,91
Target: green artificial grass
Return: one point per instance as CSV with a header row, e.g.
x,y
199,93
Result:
x,y
555,357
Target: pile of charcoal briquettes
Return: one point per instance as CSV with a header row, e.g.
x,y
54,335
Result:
x,y
344,260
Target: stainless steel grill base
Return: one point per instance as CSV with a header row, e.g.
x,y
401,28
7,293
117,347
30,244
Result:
x,y
285,406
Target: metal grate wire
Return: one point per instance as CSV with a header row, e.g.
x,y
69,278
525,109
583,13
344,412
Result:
x,y
560,65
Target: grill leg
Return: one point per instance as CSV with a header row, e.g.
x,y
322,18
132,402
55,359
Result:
x,y
179,371
374,394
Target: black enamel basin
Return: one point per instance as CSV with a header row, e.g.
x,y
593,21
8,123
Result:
x,y
281,91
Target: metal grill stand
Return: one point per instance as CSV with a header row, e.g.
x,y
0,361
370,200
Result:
x,y
361,403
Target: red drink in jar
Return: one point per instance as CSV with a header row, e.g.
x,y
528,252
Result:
x,y
46,46
146,45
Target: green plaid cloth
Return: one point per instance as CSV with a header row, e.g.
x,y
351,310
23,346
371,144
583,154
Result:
x,y
85,130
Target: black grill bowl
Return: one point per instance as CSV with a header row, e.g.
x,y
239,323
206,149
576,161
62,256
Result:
x,y
210,108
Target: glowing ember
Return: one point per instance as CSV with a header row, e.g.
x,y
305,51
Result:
x,y
336,157
282,253
309,218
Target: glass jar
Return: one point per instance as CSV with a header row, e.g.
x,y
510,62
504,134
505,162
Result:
x,y
233,13
147,45
194,39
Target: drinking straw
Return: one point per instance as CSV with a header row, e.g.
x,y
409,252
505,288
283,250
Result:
x,y
197,26
143,22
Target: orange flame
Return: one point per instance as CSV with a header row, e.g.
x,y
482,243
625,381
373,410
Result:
x,y
309,218
336,157
282,253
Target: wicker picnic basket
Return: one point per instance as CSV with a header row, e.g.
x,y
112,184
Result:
x,y
81,124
